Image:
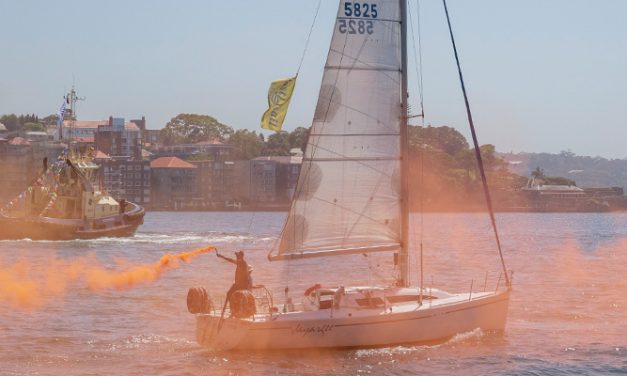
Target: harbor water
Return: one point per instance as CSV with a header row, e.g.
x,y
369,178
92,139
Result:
x,y
567,315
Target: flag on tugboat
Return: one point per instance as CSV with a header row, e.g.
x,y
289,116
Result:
x,y
279,97
61,112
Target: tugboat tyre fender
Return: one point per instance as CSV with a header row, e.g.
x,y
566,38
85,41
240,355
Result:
x,y
198,300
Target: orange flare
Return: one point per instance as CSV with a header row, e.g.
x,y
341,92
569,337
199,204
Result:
x,y
26,285
99,278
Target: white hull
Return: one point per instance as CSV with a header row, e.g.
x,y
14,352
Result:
x,y
403,323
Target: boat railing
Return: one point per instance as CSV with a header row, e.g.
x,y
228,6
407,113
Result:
x,y
264,302
263,299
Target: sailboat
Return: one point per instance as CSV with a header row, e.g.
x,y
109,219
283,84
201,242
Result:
x,y
352,198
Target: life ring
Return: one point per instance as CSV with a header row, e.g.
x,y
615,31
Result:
x,y
311,289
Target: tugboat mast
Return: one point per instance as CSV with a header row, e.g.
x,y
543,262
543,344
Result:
x,y
71,99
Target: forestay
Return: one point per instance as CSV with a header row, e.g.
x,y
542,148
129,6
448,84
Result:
x,y
348,197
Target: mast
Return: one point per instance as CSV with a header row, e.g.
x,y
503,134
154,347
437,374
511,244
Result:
x,y
72,98
404,251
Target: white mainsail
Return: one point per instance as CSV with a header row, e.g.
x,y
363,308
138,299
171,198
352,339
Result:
x,y
348,197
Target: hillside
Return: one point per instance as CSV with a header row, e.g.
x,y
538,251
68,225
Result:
x,y
585,171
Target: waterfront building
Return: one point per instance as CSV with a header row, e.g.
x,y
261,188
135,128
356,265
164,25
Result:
x,y
22,162
120,140
174,184
73,129
36,136
214,180
286,175
151,137
125,178
215,150
255,182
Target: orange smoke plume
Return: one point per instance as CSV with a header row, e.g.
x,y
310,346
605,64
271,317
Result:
x,y
99,278
25,285
17,288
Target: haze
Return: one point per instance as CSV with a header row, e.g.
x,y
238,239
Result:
x,y
542,76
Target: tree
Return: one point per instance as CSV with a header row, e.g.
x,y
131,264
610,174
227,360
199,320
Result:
x,y
444,138
10,121
247,144
277,144
538,173
192,128
50,119
298,138
32,127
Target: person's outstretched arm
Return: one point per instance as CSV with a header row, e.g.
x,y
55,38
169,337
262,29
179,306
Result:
x,y
226,258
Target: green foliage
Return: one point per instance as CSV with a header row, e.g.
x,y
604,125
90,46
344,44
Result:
x,y
193,128
298,138
444,138
538,173
247,144
201,157
50,120
277,144
559,180
11,122
32,127
444,169
15,123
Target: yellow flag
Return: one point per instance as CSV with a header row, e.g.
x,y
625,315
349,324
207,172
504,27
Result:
x,y
279,97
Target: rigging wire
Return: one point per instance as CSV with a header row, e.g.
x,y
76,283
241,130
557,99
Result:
x,y
417,55
313,23
300,64
418,66
486,190
276,243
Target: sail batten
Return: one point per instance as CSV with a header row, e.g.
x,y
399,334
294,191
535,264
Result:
x,y
347,159
348,196
334,67
309,253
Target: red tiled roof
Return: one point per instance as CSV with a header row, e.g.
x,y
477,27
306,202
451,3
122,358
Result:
x,y
170,162
19,141
101,155
84,123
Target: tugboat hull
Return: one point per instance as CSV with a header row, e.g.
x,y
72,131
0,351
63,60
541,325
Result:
x,y
47,228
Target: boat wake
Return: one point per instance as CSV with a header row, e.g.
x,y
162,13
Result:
x,y
142,340
158,238
473,335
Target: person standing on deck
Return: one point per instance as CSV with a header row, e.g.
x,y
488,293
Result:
x,y
243,277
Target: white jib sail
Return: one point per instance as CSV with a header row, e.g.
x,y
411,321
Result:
x,y
348,196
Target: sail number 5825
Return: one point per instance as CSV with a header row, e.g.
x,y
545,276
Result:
x,y
358,10
355,27
365,10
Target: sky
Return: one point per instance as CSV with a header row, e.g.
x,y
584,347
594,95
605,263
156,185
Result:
x,y
542,76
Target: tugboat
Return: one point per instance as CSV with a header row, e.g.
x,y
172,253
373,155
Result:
x,y
67,202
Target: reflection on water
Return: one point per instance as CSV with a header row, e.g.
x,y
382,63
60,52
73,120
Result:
x,y
567,313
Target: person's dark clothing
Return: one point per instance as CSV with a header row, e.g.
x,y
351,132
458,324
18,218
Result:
x,y
243,278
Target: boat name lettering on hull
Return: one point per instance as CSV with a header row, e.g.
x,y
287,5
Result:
x,y
313,330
